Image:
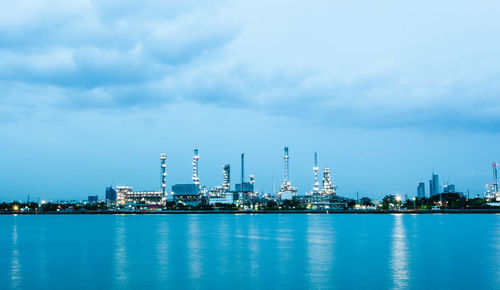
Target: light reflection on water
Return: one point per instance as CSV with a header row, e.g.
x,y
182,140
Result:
x,y
251,251
320,250
496,256
253,247
120,253
193,248
15,269
399,254
162,249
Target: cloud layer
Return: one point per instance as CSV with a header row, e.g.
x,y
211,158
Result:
x,y
84,55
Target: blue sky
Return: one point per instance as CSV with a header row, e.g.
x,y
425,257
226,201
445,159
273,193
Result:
x,y
92,92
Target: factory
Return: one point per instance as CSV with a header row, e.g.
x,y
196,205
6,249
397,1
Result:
x,y
195,194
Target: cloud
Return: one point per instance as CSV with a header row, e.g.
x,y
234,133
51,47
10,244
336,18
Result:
x,y
120,54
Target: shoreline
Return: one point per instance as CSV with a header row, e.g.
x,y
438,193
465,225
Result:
x,y
237,212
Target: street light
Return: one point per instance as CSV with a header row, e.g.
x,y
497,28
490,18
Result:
x,y
398,200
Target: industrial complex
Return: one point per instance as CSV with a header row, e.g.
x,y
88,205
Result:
x,y
241,194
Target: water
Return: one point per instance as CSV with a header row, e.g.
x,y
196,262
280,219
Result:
x,y
292,251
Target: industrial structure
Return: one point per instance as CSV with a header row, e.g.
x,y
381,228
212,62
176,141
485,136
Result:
x,y
287,191
328,187
245,190
222,193
190,194
315,169
163,158
492,193
243,194
125,196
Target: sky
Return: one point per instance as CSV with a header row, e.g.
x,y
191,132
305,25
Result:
x,y
91,92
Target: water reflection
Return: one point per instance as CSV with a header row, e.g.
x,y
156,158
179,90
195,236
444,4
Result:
x,y
284,245
15,269
399,254
253,246
497,249
162,250
320,246
193,248
120,256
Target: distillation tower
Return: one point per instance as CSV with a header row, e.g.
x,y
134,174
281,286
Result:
x,y
328,187
315,169
287,191
163,158
196,158
227,177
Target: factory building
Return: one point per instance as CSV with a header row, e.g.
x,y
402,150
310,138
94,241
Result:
x,y
186,194
125,195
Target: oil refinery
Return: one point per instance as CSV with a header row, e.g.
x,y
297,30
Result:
x,y
242,193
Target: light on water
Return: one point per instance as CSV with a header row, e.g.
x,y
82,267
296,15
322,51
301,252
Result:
x,y
289,251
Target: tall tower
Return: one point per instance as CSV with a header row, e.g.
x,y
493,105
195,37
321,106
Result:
x,y
315,168
196,157
285,158
227,177
163,158
495,183
242,169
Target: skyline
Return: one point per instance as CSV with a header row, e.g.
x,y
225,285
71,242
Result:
x,y
385,93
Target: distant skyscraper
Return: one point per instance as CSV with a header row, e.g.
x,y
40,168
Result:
x,y
110,194
92,199
449,188
421,190
434,185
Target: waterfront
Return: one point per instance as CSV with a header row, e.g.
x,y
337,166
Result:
x,y
290,251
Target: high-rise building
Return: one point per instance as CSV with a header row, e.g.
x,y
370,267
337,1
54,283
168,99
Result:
x,y
421,190
93,199
110,194
434,185
449,188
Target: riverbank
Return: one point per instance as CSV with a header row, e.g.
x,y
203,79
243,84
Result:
x,y
440,211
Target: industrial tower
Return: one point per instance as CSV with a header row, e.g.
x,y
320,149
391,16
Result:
x,y
242,169
328,187
285,158
227,177
495,182
163,158
287,191
316,169
196,179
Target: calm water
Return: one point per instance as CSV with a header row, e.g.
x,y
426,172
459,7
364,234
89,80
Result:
x,y
248,251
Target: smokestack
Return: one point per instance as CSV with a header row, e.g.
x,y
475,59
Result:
x,y
285,157
242,169
495,183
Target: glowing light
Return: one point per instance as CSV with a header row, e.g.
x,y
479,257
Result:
x,y
16,208
398,198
